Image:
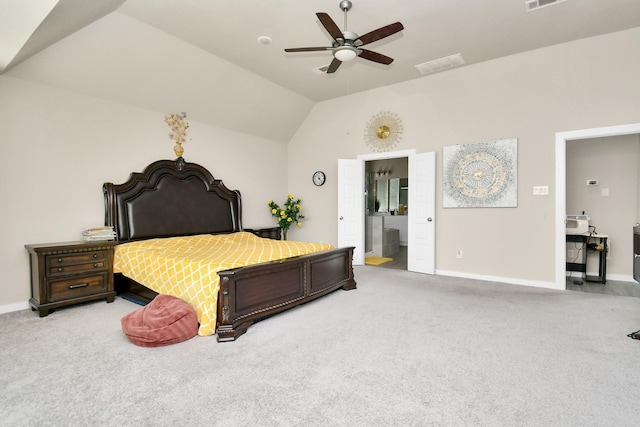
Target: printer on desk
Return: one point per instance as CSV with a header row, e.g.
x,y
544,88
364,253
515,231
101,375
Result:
x,y
577,224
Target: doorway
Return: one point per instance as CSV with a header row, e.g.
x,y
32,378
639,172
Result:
x,y
385,215
421,213
561,183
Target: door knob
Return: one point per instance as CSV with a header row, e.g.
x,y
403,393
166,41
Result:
x,y
341,218
429,219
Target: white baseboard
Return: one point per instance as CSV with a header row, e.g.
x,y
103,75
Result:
x,y
17,306
534,283
620,278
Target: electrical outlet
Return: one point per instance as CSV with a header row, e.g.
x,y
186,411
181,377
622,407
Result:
x,y
459,253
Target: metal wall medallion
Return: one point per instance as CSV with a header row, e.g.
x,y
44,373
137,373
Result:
x,y
383,131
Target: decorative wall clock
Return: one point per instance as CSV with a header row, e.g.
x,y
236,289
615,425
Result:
x,y
383,131
319,178
481,175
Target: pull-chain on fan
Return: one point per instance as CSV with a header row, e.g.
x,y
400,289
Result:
x,y
347,45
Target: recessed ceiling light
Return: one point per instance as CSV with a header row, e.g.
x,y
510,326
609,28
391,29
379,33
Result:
x,y
264,40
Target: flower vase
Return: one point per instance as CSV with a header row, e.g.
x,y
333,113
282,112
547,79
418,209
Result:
x,y
178,149
284,233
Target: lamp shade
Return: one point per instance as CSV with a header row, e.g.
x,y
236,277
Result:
x,y
345,53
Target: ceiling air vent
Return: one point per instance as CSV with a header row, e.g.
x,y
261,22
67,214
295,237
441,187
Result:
x,y
532,5
440,64
320,70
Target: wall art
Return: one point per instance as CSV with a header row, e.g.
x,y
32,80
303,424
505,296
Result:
x,y
383,131
480,175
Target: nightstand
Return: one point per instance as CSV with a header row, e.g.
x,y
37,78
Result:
x,y
70,273
266,232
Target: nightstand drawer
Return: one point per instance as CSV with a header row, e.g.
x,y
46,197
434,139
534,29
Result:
x,y
56,270
75,262
76,287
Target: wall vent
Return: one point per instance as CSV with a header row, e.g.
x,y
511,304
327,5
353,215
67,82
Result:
x,y
532,5
320,70
440,64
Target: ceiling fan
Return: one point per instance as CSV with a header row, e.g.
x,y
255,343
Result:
x,y
348,45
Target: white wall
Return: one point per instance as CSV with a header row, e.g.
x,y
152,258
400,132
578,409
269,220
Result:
x,y
531,96
60,147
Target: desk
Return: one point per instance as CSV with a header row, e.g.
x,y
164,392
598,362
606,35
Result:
x,y
585,239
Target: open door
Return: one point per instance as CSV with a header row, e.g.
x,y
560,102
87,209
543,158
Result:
x,y
422,199
636,253
351,207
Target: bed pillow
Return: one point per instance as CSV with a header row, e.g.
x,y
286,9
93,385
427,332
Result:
x,y
165,320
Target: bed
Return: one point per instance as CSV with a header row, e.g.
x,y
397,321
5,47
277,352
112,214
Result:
x,y
174,199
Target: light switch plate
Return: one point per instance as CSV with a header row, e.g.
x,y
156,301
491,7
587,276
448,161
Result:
x,y
541,190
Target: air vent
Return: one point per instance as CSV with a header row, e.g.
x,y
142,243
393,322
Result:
x,y
321,70
532,5
441,64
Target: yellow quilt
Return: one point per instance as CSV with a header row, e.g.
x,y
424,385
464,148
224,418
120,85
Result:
x,y
186,267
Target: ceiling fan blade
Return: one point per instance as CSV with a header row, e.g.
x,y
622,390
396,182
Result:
x,y
334,66
307,49
381,33
375,57
329,25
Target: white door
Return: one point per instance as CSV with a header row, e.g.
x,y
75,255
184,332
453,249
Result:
x,y
351,207
421,227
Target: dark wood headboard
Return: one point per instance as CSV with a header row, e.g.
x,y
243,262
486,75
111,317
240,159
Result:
x,y
171,198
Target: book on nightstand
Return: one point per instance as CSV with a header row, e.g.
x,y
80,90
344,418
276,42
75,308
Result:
x,y
97,234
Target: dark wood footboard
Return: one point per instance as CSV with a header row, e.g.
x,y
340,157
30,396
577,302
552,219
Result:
x,y
250,293
253,292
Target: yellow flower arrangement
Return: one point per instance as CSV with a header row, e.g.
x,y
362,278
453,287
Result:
x,y
178,133
288,215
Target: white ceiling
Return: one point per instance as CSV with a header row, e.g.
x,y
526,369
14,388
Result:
x,y
478,29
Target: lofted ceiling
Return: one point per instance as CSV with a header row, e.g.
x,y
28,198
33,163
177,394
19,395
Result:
x,y
478,30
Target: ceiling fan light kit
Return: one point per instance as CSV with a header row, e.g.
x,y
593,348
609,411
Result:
x,y
347,45
345,53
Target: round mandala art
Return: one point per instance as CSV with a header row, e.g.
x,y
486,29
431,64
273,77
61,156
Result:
x,y
383,131
481,175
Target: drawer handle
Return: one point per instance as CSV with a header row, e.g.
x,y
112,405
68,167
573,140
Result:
x,y
59,259
81,285
95,256
95,265
60,269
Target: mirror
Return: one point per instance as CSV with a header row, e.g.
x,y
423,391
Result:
x,y
386,195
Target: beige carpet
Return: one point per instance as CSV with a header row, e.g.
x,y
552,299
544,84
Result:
x,y
404,349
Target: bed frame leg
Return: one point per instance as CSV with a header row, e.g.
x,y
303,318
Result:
x,y
350,285
229,333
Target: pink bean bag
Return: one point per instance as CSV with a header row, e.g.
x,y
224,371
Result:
x,y
165,320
